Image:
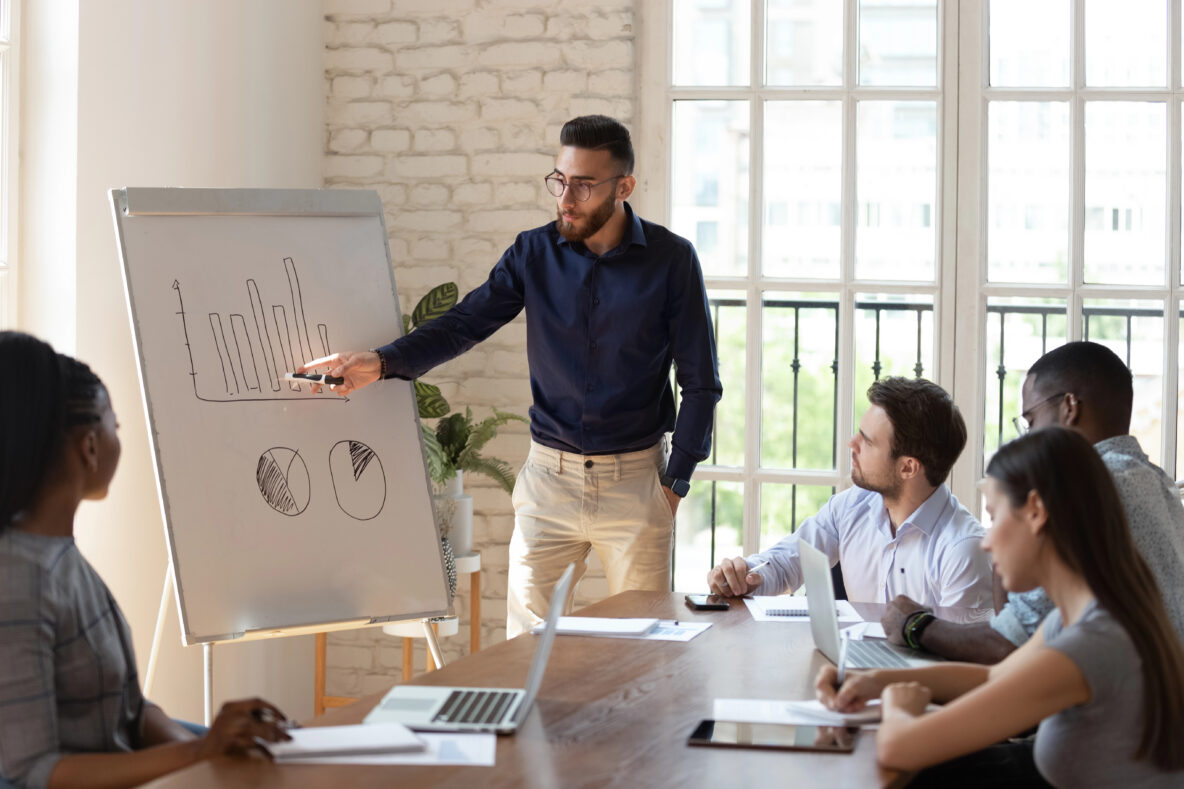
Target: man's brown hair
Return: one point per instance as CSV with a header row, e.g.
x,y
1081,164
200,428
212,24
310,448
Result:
x,y
926,424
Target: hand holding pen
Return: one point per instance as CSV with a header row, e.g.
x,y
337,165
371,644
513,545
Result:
x,y
734,578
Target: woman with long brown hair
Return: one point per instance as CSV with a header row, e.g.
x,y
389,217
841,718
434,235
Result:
x,y
1103,676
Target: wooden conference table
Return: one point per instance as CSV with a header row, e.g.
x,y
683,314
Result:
x,y
611,712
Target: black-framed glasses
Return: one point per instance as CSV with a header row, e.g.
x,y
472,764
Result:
x,y
1023,422
580,190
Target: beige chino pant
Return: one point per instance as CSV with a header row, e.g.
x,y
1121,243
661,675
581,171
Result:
x,y
566,504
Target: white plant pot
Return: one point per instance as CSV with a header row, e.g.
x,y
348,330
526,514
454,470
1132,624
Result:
x,y
455,510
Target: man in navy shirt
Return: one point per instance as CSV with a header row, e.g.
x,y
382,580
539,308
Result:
x,y
611,301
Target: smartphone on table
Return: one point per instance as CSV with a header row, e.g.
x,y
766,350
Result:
x,y
707,602
774,736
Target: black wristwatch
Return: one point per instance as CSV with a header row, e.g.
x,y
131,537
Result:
x,y
679,487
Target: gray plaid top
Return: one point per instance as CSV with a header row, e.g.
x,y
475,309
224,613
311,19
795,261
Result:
x,y
68,680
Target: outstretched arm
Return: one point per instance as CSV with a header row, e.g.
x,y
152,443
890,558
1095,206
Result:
x,y
976,642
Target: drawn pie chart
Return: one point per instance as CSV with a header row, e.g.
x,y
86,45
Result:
x,y
358,479
282,477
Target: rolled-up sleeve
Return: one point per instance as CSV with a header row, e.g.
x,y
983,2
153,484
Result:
x,y
783,574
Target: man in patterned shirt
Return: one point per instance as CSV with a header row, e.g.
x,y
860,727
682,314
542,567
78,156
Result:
x,y
1086,387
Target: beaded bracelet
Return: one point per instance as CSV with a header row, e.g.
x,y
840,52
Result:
x,y
381,364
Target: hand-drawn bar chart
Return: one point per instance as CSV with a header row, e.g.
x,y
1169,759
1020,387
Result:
x,y
253,348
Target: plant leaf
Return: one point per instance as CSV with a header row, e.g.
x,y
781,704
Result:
x,y
438,468
498,470
429,401
406,324
438,301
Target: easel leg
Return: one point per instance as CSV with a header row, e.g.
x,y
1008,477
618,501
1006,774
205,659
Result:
x,y
158,633
433,644
318,679
474,611
207,661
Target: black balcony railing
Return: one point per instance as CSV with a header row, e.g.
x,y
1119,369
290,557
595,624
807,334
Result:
x,y
877,311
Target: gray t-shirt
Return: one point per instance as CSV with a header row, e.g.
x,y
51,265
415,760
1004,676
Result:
x,y
1094,744
1156,517
68,680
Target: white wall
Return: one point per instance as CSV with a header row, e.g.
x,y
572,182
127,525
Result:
x,y
146,93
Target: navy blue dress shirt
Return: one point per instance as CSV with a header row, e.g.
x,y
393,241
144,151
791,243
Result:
x,y
601,333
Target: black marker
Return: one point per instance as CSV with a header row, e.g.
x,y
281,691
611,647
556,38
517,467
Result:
x,y
314,378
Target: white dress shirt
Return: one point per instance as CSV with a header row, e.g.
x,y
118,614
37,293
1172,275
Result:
x,y
934,558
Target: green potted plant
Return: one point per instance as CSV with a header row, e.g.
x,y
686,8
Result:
x,y
455,445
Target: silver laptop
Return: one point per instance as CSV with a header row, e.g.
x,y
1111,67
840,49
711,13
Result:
x,y
499,710
824,622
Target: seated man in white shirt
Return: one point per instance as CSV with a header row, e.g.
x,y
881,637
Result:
x,y
899,530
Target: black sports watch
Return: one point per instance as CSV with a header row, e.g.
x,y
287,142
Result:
x,y
679,487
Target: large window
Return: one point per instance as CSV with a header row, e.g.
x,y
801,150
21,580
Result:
x,y
909,187
806,163
8,159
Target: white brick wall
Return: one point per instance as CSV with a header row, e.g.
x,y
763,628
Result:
x,y
451,110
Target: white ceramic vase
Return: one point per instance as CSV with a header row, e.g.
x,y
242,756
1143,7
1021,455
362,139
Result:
x,y
455,509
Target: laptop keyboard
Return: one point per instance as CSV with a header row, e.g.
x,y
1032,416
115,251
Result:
x,y
474,706
873,654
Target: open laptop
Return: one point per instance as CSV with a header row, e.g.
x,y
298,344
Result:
x,y
499,710
824,622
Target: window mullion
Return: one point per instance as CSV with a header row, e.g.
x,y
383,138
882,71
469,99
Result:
x,y
751,532
1077,155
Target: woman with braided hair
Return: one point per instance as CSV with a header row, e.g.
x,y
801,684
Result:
x,y
71,710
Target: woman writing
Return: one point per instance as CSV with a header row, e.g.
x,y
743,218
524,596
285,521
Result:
x,y
71,711
1103,676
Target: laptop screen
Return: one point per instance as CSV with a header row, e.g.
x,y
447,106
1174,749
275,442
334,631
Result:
x,y
542,652
820,599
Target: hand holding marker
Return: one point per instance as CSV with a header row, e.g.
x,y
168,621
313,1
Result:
x,y
314,378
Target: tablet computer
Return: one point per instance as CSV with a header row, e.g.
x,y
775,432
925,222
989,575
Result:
x,y
776,736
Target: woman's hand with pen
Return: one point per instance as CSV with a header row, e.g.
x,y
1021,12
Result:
x,y
240,724
853,695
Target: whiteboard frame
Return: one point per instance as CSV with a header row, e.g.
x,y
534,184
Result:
x,y
174,201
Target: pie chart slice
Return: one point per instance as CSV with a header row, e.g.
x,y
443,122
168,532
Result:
x,y
282,477
359,481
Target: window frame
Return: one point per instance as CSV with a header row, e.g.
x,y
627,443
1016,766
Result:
x,y
9,163
653,135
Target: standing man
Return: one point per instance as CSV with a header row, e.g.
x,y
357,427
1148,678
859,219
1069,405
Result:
x,y
611,300
1083,386
899,528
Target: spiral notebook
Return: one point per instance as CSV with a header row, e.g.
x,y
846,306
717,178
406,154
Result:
x,y
765,608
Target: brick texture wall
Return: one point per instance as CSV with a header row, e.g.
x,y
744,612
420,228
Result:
x,y
451,110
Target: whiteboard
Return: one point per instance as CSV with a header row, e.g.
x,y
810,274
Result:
x,y
282,508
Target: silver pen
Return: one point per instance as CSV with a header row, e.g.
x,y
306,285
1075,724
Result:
x,y
843,642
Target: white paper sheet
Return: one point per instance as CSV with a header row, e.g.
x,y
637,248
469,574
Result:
x,y
759,605
317,741
804,712
474,750
865,630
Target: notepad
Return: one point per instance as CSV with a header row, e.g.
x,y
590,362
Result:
x,y
602,626
360,740
771,608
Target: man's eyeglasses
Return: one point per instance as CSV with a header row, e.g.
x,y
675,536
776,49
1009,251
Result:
x,y
580,190
1023,422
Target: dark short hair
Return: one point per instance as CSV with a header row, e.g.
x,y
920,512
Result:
x,y
59,391
600,133
1095,374
926,424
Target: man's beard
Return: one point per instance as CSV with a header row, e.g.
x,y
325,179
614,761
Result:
x,y
890,491
594,221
